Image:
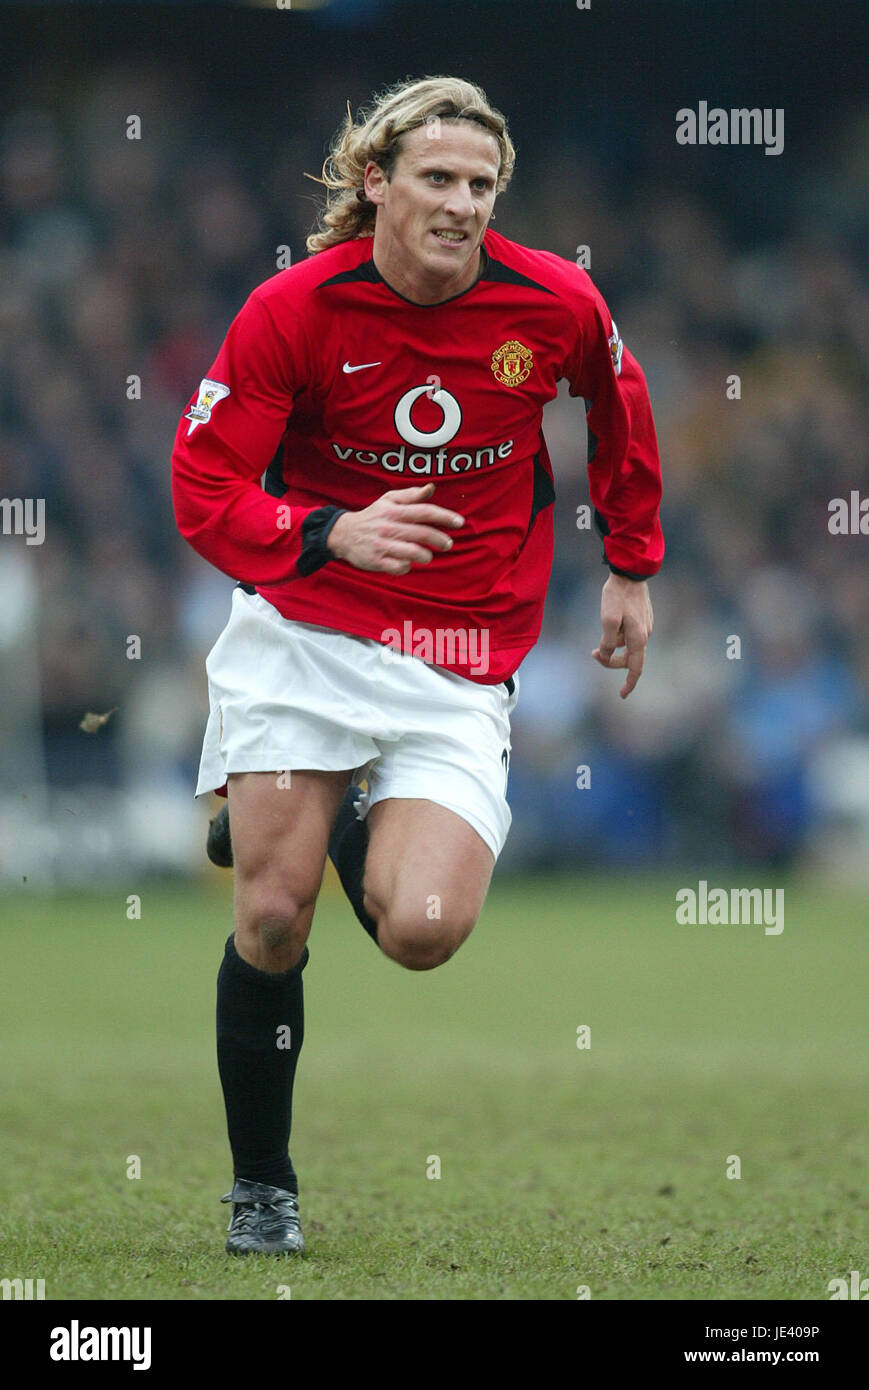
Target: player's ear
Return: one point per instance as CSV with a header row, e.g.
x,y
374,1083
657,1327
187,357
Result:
x,y
373,182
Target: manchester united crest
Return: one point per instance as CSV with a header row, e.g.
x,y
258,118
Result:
x,y
512,363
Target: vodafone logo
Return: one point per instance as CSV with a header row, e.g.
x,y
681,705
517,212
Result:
x,y
427,455
452,413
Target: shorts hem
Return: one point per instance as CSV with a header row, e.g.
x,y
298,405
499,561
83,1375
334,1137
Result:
x,y
490,839
266,762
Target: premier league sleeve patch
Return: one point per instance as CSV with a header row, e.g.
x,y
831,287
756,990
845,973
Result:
x,y
210,392
616,348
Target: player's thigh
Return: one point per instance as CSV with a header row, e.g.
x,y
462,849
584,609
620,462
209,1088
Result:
x,y
427,873
280,825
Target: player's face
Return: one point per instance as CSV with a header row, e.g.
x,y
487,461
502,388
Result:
x,y
432,213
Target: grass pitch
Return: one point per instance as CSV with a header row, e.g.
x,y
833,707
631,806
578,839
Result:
x,y
560,1167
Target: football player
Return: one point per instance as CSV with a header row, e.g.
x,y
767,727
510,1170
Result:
x,y
365,456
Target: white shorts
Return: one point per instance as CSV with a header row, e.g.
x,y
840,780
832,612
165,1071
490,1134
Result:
x,y
287,695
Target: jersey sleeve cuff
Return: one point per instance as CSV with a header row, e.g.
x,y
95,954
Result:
x,y
626,574
315,532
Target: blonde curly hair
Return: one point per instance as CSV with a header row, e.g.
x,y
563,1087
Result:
x,y
376,134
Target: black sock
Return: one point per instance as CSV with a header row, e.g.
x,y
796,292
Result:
x,y
347,850
260,1028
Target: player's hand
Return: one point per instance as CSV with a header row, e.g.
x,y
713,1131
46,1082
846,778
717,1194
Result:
x,y
626,621
402,528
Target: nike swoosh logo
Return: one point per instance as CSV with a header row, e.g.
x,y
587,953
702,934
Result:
x,y
361,367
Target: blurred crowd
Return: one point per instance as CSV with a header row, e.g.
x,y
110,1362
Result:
x,y
122,263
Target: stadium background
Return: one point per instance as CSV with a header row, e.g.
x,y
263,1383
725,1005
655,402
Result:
x,y
122,258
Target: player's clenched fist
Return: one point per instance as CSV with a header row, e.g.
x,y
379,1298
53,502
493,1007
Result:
x,y
400,529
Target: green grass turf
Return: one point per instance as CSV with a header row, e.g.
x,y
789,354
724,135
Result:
x,y
560,1167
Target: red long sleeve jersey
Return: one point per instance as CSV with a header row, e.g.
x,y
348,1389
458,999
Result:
x,y
342,389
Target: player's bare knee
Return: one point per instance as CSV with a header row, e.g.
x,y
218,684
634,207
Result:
x,y
415,953
273,936
420,946
277,933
